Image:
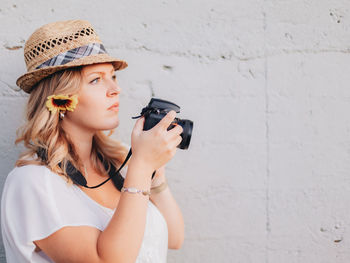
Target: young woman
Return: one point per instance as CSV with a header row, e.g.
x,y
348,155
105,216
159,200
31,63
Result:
x,y
47,215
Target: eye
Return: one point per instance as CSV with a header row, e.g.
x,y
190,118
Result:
x,y
114,77
94,81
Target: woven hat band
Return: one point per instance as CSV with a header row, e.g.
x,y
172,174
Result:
x,y
73,54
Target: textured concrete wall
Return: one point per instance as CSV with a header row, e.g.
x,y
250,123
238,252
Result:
x,y
267,84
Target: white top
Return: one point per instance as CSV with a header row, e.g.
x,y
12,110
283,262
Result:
x,y
37,202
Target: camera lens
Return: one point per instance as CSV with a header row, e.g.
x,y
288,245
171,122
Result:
x,y
187,127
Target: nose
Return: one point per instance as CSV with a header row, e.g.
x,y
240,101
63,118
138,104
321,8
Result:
x,y
113,89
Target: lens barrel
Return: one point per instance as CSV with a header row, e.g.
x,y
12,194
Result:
x,y
187,127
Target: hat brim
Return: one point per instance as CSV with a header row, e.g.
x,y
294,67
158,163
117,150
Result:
x,y
28,80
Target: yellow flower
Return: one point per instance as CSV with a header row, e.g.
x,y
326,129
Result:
x,y
58,103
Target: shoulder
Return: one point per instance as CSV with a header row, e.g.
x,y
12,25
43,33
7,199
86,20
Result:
x,y
31,171
20,173
29,176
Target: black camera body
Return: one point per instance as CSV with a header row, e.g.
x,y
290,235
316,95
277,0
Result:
x,y
157,109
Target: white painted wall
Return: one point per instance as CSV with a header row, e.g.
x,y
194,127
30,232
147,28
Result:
x,y
267,84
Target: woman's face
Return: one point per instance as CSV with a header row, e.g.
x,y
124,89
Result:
x,y
98,98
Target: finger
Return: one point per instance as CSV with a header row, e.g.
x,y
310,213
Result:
x,y
138,128
167,120
176,141
177,130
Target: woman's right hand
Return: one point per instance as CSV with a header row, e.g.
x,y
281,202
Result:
x,y
155,147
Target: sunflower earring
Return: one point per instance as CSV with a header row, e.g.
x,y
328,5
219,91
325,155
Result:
x,y
61,104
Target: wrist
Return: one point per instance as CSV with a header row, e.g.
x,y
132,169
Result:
x,y
138,176
139,163
158,179
159,188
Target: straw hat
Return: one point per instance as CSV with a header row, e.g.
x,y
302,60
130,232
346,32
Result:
x,y
62,45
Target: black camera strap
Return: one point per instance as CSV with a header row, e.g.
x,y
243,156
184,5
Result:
x,y
78,178
113,174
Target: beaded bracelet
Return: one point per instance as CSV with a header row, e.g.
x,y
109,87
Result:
x,y
133,190
154,190
159,188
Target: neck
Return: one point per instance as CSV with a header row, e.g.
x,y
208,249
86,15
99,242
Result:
x,y
81,139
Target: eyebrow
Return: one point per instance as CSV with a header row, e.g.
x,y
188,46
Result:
x,y
99,72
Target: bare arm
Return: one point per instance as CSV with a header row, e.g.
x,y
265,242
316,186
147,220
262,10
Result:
x,y
121,240
167,205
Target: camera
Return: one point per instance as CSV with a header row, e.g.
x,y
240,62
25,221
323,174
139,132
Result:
x,y
157,109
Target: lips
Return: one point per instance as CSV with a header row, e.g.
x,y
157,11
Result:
x,y
115,106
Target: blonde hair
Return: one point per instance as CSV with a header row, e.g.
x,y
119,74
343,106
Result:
x,y
43,130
